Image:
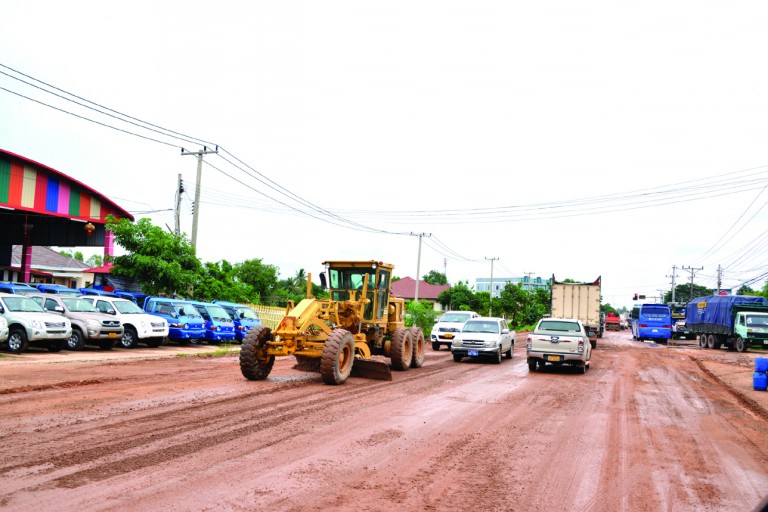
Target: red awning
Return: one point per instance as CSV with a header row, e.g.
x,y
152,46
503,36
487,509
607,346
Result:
x,y
104,269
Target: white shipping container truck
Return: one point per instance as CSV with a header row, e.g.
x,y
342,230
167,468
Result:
x,y
580,301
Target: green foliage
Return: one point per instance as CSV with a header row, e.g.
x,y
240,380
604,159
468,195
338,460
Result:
x,y
683,293
435,277
520,306
218,281
607,309
421,314
458,298
95,260
75,255
261,277
164,263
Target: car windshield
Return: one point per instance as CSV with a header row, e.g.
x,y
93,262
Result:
x,y
183,309
127,307
218,314
559,325
481,326
757,320
22,304
455,317
79,305
654,312
248,313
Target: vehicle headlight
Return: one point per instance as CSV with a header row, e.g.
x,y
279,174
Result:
x,y
491,344
93,323
456,342
37,324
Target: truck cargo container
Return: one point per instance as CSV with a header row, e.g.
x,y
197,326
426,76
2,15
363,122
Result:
x,y
736,321
580,301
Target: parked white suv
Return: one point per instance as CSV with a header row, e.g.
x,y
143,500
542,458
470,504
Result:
x,y
484,337
29,323
448,326
559,341
139,327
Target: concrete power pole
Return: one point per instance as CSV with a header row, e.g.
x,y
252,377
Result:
x,y
177,213
418,263
196,214
692,270
490,300
673,276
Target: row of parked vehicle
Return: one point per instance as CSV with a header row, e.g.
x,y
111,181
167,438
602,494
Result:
x,y
57,317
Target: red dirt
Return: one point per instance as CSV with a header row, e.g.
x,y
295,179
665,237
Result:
x,y
648,428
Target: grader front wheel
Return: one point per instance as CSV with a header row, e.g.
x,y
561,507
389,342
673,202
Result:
x,y
338,356
255,361
401,352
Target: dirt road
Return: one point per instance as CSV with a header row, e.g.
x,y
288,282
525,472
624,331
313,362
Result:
x,y
648,428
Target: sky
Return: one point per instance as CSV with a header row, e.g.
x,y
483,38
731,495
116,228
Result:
x,y
625,140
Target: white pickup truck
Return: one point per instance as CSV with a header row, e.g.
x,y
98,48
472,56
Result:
x,y
559,341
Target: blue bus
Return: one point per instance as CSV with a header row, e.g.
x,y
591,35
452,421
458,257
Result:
x,y
651,322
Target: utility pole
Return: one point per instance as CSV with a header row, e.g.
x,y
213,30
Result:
x,y
418,263
177,213
204,151
490,300
673,276
692,270
528,281
719,278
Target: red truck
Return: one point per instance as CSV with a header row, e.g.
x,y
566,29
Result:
x,y
612,322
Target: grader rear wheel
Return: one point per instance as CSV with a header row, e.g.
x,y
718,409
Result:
x,y
401,351
417,337
255,362
338,357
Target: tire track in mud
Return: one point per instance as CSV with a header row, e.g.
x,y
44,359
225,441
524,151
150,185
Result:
x,y
146,436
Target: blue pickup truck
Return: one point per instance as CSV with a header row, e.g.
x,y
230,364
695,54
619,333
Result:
x,y
185,324
218,325
243,317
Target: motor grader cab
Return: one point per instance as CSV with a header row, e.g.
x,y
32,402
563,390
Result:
x,y
342,334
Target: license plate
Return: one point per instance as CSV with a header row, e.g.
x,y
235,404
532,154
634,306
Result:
x,y
448,336
472,352
113,335
553,358
654,330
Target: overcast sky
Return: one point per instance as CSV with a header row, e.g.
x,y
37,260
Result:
x,y
580,139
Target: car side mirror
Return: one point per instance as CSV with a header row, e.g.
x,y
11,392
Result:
x,y
58,309
505,331
111,312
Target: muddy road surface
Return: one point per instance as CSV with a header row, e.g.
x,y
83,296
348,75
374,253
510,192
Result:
x,y
648,428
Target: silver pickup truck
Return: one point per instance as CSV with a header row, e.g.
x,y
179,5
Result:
x,y
559,341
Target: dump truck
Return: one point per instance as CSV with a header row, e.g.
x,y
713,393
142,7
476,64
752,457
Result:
x,y
580,301
736,321
346,334
612,322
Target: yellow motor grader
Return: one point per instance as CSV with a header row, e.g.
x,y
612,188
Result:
x,y
342,333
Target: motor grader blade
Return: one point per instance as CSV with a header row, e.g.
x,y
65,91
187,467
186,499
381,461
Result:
x,y
369,369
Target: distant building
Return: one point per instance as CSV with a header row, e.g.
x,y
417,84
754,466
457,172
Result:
x,y
405,288
483,284
48,266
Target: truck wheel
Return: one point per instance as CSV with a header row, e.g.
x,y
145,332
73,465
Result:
x,y
717,342
255,362
435,346
401,350
497,357
418,347
130,337
509,353
703,341
593,343
76,341
532,363
56,345
338,357
17,341
741,345
457,358
711,341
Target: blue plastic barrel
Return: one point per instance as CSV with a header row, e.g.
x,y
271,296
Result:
x,y
761,364
760,381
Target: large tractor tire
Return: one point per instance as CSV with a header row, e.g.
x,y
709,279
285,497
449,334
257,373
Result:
x,y
741,345
255,362
338,357
417,337
401,351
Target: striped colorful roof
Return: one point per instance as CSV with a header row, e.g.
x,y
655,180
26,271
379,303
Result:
x,y
30,186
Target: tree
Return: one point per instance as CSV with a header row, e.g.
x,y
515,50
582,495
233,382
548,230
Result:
x,y
74,255
95,260
435,277
162,262
421,314
263,279
458,297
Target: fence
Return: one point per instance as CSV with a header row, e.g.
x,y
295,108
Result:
x,y
269,315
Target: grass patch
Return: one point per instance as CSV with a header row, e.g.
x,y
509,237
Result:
x,y
222,350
